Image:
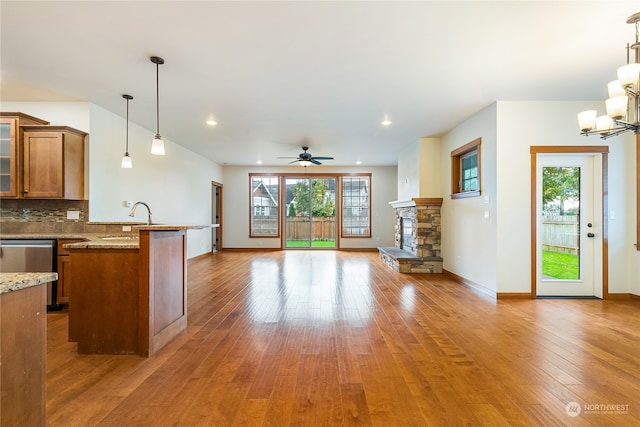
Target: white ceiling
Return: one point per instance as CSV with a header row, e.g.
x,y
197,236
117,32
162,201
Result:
x,y
278,75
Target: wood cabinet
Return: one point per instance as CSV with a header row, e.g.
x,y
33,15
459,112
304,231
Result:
x,y
23,339
53,164
129,301
11,136
64,278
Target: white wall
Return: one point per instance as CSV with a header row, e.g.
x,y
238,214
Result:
x,y
496,252
430,168
419,170
468,239
409,172
235,219
555,124
176,186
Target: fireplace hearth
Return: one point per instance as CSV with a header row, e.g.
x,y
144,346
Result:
x,y
417,237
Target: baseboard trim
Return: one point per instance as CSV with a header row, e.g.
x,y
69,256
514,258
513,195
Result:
x,y
469,283
514,295
620,296
250,249
299,249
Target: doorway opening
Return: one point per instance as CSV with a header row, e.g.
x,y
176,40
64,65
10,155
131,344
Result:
x,y
216,216
568,250
309,213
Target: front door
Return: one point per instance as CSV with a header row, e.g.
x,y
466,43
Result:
x,y
310,213
569,226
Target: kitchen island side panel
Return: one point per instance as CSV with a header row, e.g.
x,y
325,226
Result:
x,y
163,282
23,339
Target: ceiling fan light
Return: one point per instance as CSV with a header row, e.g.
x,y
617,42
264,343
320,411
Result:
x,y
305,163
628,74
587,120
617,106
157,146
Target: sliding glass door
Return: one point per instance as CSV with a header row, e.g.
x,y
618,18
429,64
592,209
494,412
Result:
x,y
310,212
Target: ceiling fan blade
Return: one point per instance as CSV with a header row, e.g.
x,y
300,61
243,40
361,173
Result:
x,y
288,157
314,161
323,158
295,161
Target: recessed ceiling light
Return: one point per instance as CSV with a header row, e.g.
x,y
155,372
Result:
x,y
259,162
211,122
358,162
385,122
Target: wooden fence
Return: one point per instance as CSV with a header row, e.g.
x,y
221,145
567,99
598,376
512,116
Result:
x,y
561,233
322,228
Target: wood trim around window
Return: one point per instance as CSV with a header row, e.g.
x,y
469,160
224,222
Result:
x,y
263,175
604,150
456,155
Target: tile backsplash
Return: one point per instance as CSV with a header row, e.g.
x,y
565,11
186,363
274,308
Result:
x,y
18,216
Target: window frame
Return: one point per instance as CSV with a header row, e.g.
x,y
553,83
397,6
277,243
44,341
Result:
x,y
252,207
457,156
342,207
339,208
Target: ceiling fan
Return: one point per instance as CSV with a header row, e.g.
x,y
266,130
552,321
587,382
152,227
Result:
x,y
306,159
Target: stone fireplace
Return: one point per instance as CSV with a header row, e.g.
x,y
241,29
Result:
x,y
417,237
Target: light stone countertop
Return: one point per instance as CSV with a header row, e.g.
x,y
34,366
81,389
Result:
x,y
124,240
10,282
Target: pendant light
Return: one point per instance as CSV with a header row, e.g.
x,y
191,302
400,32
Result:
x,y
126,159
157,146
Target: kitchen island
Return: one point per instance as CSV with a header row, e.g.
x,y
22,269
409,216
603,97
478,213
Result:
x,y
23,347
129,296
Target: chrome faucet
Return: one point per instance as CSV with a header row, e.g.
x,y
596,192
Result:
x,y
132,212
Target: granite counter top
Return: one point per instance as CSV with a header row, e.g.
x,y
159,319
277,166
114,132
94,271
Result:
x,y
170,227
10,282
124,240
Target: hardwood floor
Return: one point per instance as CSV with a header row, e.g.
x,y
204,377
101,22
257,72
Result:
x,y
303,338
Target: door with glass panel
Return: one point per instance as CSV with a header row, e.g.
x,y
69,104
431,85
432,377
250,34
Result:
x,y
569,228
310,213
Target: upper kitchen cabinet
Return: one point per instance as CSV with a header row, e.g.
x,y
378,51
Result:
x,y
53,162
11,151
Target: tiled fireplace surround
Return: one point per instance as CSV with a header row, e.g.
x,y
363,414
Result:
x,y
421,254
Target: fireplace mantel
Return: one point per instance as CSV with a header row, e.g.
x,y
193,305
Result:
x,y
416,201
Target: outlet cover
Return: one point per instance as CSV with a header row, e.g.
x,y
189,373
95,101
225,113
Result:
x,y
73,214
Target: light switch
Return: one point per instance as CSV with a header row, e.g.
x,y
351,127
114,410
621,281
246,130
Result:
x,y
486,214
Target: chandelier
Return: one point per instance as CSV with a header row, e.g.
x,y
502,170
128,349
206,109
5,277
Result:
x,y
623,105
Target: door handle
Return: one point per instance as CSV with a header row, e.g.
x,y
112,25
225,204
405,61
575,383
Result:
x,y
591,235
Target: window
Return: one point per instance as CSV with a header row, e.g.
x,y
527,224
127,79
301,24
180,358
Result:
x,y
356,206
264,206
465,170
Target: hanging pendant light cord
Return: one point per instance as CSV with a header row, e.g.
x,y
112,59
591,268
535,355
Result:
x,y
126,150
157,99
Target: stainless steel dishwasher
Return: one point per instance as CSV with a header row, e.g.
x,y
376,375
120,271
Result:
x,y
30,256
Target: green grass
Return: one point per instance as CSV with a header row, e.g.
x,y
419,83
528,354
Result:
x,y
560,266
314,244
